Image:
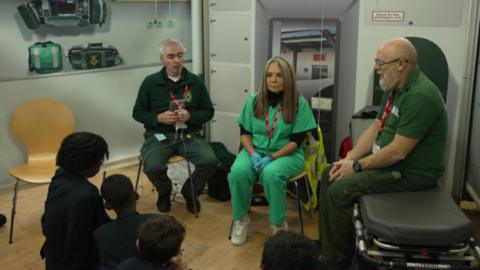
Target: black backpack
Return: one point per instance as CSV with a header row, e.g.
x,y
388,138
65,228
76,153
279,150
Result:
x,y
218,184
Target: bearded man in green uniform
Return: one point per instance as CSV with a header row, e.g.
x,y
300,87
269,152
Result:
x,y
172,105
402,150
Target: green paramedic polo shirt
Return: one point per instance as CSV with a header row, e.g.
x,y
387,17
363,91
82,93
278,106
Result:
x,y
153,98
418,112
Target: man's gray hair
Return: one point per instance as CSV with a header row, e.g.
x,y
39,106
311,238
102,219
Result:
x,y
170,42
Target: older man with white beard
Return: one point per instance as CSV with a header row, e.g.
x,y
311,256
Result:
x,y
402,150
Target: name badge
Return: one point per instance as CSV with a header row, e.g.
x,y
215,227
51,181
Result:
x,y
160,137
376,146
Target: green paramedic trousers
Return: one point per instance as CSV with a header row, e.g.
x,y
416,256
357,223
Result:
x,y
336,200
193,147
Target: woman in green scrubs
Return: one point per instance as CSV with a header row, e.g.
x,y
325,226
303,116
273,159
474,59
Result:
x,y
273,124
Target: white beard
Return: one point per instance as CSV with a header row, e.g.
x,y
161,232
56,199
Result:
x,y
388,80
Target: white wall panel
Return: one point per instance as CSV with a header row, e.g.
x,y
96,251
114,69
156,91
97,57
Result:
x,y
230,38
230,87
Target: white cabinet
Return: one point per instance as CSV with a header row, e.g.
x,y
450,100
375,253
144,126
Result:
x,y
229,5
231,65
230,38
231,86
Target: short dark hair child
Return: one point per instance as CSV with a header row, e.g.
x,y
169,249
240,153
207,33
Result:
x,y
159,246
73,207
116,240
117,191
82,152
160,238
289,251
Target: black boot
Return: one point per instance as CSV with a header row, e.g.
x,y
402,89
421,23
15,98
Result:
x,y
163,203
187,194
163,185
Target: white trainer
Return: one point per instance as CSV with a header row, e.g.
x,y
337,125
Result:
x,y
239,231
279,227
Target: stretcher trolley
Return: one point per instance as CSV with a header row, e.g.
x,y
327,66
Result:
x,y
414,230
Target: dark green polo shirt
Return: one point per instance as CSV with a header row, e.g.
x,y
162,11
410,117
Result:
x,y
418,112
154,98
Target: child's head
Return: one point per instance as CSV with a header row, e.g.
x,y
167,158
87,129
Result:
x,y
286,251
160,238
82,153
117,191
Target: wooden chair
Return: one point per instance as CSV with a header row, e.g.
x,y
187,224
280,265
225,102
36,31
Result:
x,y
41,125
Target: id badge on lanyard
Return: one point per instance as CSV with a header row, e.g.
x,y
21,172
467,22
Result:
x,y
269,130
180,103
386,112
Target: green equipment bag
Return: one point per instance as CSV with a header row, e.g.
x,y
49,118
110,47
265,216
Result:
x,y
217,183
45,57
31,15
93,55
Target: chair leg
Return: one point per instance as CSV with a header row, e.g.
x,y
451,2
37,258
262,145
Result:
x,y
192,188
174,192
230,231
138,174
12,215
299,206
250,200
309,196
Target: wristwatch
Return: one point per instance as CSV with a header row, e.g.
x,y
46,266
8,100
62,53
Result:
x,y
356,166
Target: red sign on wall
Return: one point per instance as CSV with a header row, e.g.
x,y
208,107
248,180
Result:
x,y
319,57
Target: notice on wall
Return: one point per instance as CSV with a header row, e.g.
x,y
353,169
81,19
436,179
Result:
x,y
388,16
431,13
319,57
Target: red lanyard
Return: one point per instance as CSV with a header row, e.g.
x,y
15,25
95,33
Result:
x,y
275,118
173,97
387,109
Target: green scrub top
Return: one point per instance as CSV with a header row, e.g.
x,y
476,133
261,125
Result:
x,y
304,121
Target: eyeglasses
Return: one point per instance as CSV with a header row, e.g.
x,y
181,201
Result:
x,y
381,63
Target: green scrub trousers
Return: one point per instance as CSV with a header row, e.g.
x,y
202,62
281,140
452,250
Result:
x,y
274,178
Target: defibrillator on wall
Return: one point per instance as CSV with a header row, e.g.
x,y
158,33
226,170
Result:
x,y
63,12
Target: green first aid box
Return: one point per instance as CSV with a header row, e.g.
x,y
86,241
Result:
x,y
45,57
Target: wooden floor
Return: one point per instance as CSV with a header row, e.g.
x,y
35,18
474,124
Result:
x,y
206,244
